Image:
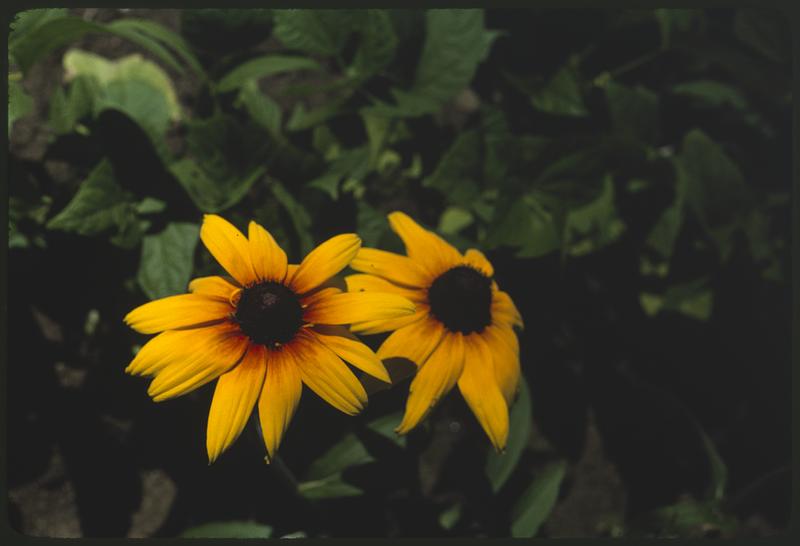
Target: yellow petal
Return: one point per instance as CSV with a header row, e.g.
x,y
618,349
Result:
x,y
504,311
279,398
269,259
350,307
394,267
504,347
325,261
327,375
229,247
215,287
424,246
291,269
349,348
476,259
415,342
174,347
479,388
388,325
433,380
309,300
172,312
234,398
362,282
211,357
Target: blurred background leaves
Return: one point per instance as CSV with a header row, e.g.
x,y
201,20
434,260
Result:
x,y
626,171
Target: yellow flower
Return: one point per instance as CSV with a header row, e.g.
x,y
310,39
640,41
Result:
x,y
462,331
264,332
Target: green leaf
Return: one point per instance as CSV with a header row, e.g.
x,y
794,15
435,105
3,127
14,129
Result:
x,y
67,109
330,487
377,46
715,188
57,31
151,35
212,194
229,529
500,466
264,111
456,42
634,111
454,176
298,214
322,32
686,518
26,21
167,260
692,299
561,94
712,93
594,225
302,119
524,224
351,164
99,206
132,84
20,103
261,67
349,451
454,219
372,224
385,427
674,22
535,504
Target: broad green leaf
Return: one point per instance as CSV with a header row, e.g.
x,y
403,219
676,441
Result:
x,y
331,487
686,518
456,42
319,31
377,46
385,427
454,176
298,214
500,466
715,187
264,111
167,260
150,205
450,517
535,504
712,93
302,119
20,103
634,111
523,224
693,299
378,128
351,164
561,94
593,225
454,219
261,67
229,529
99,206
372,224
212,194
26,21
349,451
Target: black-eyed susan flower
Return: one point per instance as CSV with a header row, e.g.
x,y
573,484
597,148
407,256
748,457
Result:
x,y
461,333
261,333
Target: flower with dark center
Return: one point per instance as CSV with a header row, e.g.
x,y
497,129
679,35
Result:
x,y
462,332
262,333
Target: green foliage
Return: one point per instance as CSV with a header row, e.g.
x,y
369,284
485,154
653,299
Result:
x,y
261,67
500,466
20,104
101,206
167,260
536,503
455,44
322,32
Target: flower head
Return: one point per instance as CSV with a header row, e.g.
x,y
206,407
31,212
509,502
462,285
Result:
x,y
262,333
461,333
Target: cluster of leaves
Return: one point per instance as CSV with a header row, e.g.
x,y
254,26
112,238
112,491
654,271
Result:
x,y
315,121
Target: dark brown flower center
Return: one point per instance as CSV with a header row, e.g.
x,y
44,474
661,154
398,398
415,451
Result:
x,y
461,299
269,313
